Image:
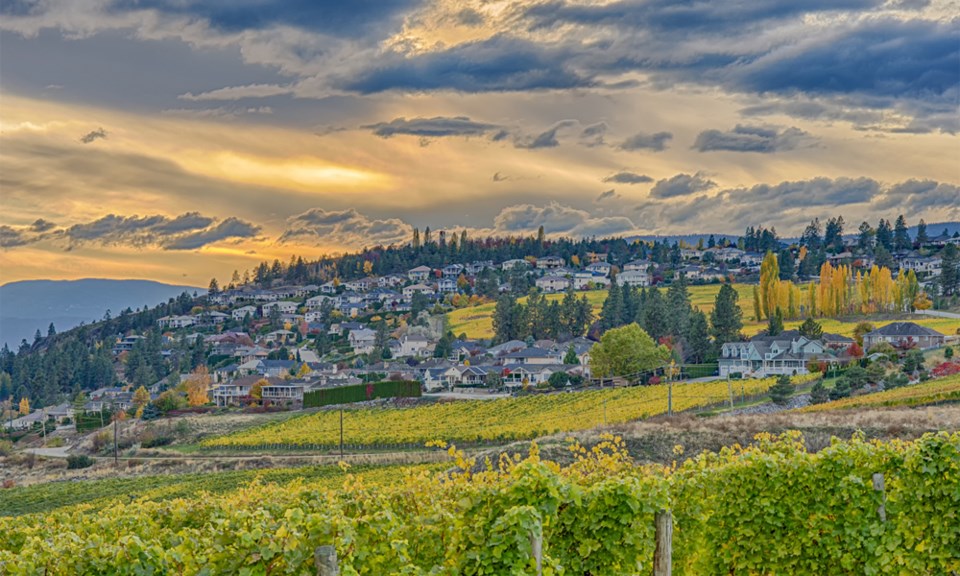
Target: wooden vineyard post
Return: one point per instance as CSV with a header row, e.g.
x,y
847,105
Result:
x,y
663,555
325,558
536,546
878,485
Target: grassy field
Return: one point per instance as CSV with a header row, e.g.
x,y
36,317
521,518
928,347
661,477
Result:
x,y
477,322
932,392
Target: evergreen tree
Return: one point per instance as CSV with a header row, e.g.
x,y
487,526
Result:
x,y
775,323
781,391
833,235
922,237
726,318
865,237
811,329
884,235
214,287
51,330
444,345
840,390
678,307
950,271
612,311
504,321
787,264
818,394
571,356
697,337
901,238
655,315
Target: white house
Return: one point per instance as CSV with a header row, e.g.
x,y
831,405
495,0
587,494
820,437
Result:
x,y
532,355
175,322
362,341
414,345
599,268
419,274
633,278
447,285
452,270
316,302
551,283
786,353
240,313
409,291
511,264
582,280
637,265
549,263
284,307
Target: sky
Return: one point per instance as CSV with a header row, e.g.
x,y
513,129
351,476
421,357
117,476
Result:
x,y
178,140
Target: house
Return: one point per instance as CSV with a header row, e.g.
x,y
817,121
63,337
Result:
x,y
461,350
409,291
786,353
599,268
633,278
210,317
420,273
278,336
478,266
283,392
328,287
596,257
240,313
452,270
518,375
414,345
532,355
509,265
506,348
922,264
276,368
836,341
315,302
225,373
728,254
751,259
250,353
231,393
445,285
549,263
361,285
175,322
584,280
362,340
690,254
637,266
904,335
552,283
127,343
284,307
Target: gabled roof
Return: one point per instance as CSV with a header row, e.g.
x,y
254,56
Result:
x,y
531,352
904,329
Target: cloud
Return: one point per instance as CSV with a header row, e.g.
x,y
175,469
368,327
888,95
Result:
x,y
557,219
230,228
626,177
11,237
344,228
915,196
593,135
498,177
763,139
436,127
643,141
41,225
239,92
546,139
801,193
93,136
681,185
604,195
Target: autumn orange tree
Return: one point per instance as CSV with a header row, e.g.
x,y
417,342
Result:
x,y
197,386
140,399
24,406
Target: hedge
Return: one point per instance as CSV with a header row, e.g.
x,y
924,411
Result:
x,y
361,393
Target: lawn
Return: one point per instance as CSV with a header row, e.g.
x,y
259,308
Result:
x,y
477,322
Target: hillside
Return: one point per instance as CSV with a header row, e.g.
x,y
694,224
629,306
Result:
x,y
32,305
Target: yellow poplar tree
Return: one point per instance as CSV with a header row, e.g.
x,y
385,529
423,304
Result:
x,y
24,406
769,284
197,386
140,399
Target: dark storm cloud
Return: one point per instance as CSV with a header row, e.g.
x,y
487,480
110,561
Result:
x,y
762,139
498,64
345,228
813,192
333,17
625,177
436,127
558,219
682,185
93,135
230,229
644,141
918,195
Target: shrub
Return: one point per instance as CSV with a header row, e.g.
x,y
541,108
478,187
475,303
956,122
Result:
x,y
818,394
77,461
55,442
156,441
781,391
6,447
948,353
841,389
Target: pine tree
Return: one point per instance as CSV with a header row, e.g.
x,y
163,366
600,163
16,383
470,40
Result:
x,y
901,238
950,271
678,307
571,356
884,235
781,391
655,315
865,237
726,318
504,321
922,237
811,329
697,336
818,394
775,323
612,311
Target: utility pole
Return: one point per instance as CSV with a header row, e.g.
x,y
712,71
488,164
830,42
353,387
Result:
x,y
341,433
730,391
43,424
116,456
670,398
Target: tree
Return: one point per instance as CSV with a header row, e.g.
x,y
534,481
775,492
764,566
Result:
x,y
775,323
24,406
571,356
51,330
948,353
140,399
913,361
818,394
698,336
901,238
769,285
860,330
611,313
811,329
626,351
197,386
865,237
884,235
655,315
214,287
922,237
256,391
558,380
678,307
950,271
781,391
840,390
857,377
787,265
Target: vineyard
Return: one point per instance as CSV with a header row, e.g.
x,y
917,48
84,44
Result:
x,y
477,322
770,508
489,421
97,494
930,392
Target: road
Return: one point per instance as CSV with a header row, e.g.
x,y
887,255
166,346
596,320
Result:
x,y
939,313
60,452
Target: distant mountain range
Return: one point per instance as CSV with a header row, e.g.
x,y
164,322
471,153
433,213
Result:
x,y
850,232
32,305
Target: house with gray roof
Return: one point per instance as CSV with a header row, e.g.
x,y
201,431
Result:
x,y
904,335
